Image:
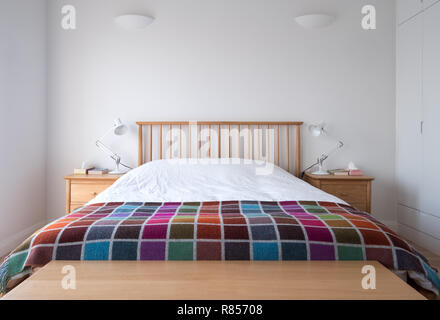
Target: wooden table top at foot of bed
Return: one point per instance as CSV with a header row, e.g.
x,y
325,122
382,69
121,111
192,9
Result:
x,y
212,280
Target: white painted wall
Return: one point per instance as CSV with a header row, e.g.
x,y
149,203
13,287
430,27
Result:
x,y
223,60
23,119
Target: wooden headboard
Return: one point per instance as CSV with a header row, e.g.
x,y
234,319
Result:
x,y
257,140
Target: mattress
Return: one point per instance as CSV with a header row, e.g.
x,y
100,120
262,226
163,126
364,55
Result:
x,y
210,180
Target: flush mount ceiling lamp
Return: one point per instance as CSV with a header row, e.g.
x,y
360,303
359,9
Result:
x,y
314,21
133,21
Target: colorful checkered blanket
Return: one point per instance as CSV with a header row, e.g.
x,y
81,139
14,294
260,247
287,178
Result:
x,y
228,230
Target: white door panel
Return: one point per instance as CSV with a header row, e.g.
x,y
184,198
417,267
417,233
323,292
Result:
x,y
409,112
420,221
428,3
407,9
430,196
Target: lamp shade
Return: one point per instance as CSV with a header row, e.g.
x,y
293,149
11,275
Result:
x,y
317,129
119,128
313,21
133,21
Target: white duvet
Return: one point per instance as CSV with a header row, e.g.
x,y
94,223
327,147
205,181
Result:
x,y
210,180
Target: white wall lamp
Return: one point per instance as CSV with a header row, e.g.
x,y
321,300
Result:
x,y
314,21
133,21
118,129
317,130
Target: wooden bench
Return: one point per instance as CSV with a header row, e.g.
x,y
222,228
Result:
x,y
206,280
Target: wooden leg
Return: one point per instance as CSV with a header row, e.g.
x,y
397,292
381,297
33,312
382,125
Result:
x,y
68,189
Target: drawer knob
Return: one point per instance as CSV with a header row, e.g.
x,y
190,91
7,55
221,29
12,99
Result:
x,y
94,193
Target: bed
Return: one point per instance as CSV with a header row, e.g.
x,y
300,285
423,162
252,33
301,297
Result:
x,y
217,208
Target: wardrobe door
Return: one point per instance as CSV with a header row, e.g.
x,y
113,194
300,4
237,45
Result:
x,y
428,3
407,9
409,112
430,195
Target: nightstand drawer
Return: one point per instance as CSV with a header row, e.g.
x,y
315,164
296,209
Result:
x,y
80,189
84,191
351,192
360,206
355,190
76,205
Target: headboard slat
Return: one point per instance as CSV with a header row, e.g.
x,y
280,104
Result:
x,y
254,140
288,147
151,144
219,141
161,143
278,145
141,144
298,148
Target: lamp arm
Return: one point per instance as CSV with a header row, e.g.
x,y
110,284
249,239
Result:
x,y
105,134
113,155
107,150
324,157
308,168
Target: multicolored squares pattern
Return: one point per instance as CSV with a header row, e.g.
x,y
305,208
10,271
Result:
x,y
228,230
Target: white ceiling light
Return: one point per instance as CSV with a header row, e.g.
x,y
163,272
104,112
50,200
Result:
x,y
133,21
313,21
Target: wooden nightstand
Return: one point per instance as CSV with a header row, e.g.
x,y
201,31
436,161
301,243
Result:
x,y
80,189
355,190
